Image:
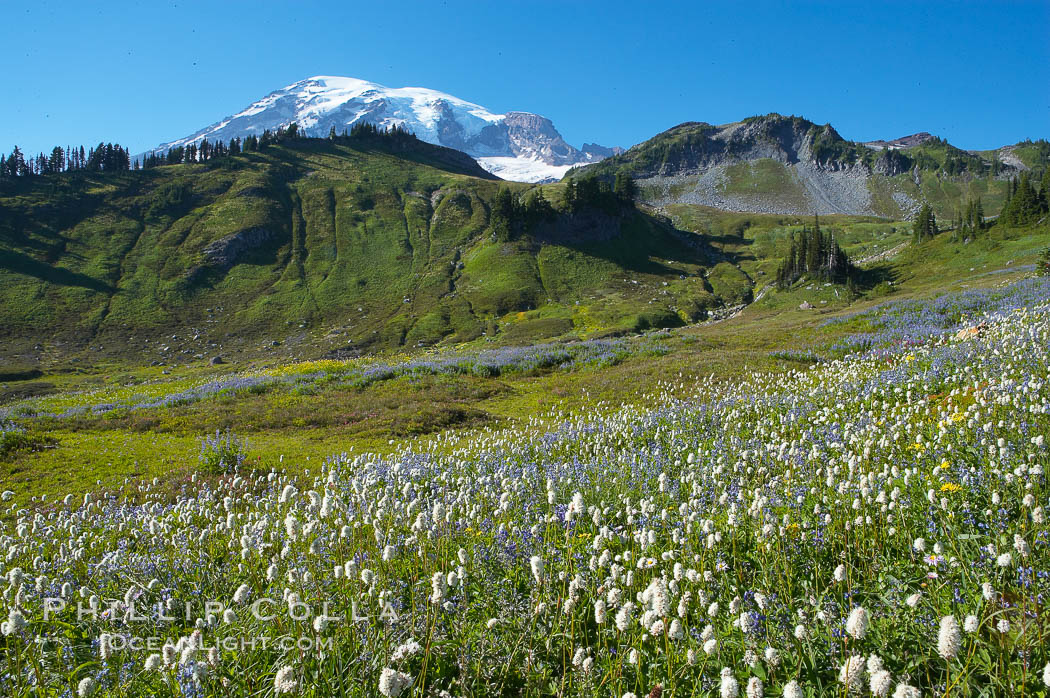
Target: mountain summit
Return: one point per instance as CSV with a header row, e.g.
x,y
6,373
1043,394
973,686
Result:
x,y
517,145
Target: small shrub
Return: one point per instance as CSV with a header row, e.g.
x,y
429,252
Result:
x,y
14,438
169,200
18,372
804,356
222,453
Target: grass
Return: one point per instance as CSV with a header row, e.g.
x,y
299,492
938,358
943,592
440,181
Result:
x,y
762,178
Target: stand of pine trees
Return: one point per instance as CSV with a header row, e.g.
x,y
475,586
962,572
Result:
x,y
816,255
592,192
194,152
1026,203
971,220
111,157
512,214
105,157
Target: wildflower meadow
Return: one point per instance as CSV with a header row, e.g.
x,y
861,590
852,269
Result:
x,y
873,524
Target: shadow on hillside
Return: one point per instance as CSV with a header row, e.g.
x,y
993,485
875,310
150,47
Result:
x,y
635,242
45,245
638,259
735,240
24,264
870,277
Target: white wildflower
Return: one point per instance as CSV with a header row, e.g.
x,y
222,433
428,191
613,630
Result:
x,y
439,586
284,681
851,674
905,691
241,595
406,650
728,687
857,623
949,638
880,684
392,682
536,563
599,612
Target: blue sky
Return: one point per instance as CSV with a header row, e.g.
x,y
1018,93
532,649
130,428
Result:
x,y
613,73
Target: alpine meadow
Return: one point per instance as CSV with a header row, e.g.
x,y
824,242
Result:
x,y
367,390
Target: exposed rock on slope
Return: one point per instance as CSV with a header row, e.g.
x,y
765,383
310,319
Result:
x,y
778,164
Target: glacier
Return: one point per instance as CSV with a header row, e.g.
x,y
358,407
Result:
x,y
517,146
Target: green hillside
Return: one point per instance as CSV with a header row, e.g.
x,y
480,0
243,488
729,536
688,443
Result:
x,y
315,246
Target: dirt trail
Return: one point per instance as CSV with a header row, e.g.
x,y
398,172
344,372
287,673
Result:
x,y
883,256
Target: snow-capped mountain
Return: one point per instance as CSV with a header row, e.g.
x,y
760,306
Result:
x,y
517,145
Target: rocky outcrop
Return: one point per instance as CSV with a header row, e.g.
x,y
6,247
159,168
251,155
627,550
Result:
x,y
600,152
768,164
902,142
891,163
222,254
696,147
533,135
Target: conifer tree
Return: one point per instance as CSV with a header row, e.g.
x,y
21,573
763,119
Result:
x,y
503,214
624,187
1024,204
925,226
569,195
57,161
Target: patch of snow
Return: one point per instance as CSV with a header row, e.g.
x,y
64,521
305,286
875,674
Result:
x,y
524,169
417,108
